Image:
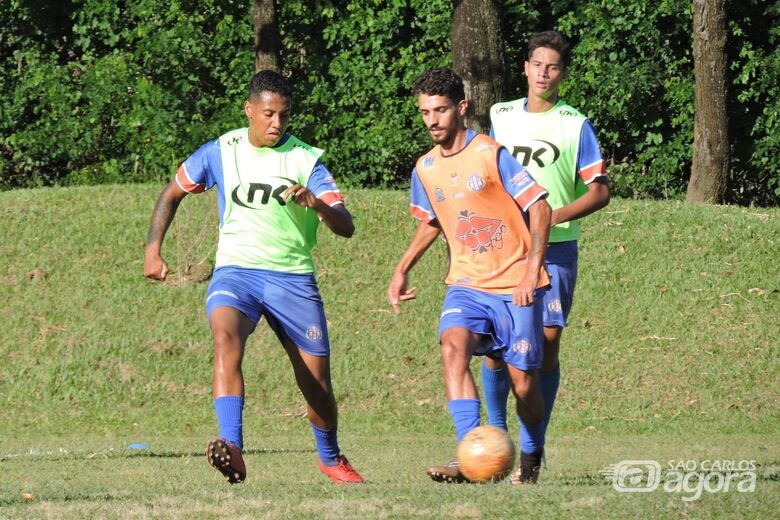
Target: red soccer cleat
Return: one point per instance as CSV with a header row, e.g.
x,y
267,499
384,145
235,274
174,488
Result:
x,y
342,472
226,459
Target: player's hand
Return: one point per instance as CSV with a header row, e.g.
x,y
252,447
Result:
x,y
397,292
302,196
155,268
523,294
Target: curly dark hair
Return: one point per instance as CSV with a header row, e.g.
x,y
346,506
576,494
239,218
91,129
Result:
x,y
551,40
440,82
269,81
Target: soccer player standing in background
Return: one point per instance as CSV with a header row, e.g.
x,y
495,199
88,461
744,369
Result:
x,y
496,223
558,146
272,192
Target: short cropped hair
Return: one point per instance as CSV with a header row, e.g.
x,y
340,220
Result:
x,y
551,40
269,81
440,82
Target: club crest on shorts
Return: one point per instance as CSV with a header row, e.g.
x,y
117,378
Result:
x,y
314,333
522,346
555,306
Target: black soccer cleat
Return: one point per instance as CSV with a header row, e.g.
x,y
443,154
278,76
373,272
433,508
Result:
x,y
448,473
227,459
529,468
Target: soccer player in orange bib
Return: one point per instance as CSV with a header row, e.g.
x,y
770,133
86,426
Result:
x,y
496,222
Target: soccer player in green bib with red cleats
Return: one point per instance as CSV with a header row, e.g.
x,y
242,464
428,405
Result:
x,y
272,192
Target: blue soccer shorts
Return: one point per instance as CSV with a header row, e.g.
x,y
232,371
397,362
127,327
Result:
x,y
561,263
290,302
512,333
559,297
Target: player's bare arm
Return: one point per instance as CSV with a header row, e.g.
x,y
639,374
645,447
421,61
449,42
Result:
x,y
337,217
162,216
423,237
539,227
596,198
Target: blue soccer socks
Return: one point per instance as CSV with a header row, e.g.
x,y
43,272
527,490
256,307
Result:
x,y
465,415
230,410
327,445
496,385
548,384
532,436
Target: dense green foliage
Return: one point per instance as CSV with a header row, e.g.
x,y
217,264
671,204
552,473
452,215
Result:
x,y
99,93
117,95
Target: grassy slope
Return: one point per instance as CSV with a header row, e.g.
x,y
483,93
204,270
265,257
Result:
x,y
673,338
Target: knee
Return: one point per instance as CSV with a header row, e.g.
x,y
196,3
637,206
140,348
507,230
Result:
x,y
523,384
494,364
551,349
226,343
450,350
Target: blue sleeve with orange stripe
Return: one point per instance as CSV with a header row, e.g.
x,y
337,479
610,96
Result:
x,y
517,181
324,187
590,163
419,203
198,173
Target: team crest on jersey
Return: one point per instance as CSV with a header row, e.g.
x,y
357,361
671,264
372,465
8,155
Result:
x,y
314,333
479,233
522,346
476,182
439,194
555,306
428,162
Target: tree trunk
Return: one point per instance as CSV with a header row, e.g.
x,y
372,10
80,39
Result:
x,y
478,57
268,41
710,169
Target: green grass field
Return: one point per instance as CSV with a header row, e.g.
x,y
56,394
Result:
x,y
671,354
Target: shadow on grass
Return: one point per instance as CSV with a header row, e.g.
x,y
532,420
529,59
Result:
x,y
125,453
